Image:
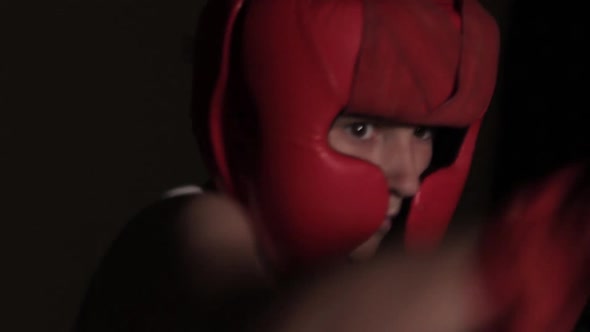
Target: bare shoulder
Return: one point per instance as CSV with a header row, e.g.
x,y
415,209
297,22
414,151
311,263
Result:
x,y
219,241
214,206
215,219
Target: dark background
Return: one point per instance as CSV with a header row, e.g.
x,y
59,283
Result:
x,y
94,125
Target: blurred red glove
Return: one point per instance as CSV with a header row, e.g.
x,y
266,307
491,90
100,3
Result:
x,y
536,257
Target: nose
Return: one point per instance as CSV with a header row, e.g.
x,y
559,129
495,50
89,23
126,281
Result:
x,y
400,162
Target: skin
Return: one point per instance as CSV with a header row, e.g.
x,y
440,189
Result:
x,y
390,291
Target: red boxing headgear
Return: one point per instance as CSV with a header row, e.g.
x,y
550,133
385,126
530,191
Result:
x,y
300,63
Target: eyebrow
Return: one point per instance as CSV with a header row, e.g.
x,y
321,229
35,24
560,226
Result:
x,y
369,118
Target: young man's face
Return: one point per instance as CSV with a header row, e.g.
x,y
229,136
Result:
x,y
402,152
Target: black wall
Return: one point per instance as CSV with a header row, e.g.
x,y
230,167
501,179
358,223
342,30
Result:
x,y
545,92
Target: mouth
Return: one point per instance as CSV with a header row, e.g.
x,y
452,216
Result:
x,y
392,212
394,207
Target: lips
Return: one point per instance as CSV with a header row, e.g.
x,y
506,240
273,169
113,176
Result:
x,y
394,206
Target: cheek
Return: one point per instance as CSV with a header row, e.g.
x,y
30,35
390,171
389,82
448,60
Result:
x,y
422,155
341,142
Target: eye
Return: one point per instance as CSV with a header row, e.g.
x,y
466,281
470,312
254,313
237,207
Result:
x,y
424,133
361,130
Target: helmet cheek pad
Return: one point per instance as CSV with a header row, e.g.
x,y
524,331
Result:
x,y
434,204
313,201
